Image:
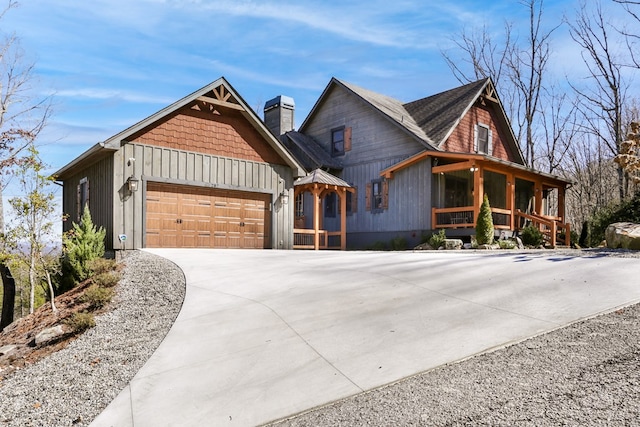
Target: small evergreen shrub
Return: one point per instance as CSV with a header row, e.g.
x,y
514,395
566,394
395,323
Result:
x,y
80,322
531,236
107,279
97,297
507,244
437,240
484,225
101,265
398,244
378,246
81,245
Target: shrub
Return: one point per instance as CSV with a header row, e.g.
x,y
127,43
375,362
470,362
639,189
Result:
x,y
101,265
97,297
79,322
437,240
506,244
531,236
81,245
398,244
378,246
484,225
627,211
107,279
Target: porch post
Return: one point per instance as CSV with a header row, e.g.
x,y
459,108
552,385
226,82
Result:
x,y
511,199
561,205
478,192
538,197
316,217
343,218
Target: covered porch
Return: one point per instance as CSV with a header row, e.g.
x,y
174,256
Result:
x,y
519,196
319,184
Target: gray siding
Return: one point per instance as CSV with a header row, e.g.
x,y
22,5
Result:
x,y
100,184
161,164
376,144
374,137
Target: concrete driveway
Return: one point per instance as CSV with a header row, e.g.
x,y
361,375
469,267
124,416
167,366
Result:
x,y
267,334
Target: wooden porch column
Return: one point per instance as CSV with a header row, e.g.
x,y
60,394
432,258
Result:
x,y
342,193
511,199
316,217
478,191
561,205
538,197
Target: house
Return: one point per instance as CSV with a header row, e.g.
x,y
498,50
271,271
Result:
x,y
203,172
406,169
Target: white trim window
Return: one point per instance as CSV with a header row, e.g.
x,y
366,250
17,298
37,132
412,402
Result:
x,y
482,140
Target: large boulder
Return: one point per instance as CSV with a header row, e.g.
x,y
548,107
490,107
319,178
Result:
x,y
625,235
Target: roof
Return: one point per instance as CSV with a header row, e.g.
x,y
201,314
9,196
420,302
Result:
x,y
318,176
309,152
438,114
432,119
231,99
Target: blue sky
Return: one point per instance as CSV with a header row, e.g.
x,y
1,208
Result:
x,y
111,63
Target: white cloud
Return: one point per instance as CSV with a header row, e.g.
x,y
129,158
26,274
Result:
x,y
99,93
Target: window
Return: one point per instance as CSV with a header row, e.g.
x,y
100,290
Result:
x,y
482,142
82,196
337,141
299,205
330,205
351,203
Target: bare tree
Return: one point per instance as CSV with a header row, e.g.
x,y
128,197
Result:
x,y
22,117
518,68
559,127
601,103
632,36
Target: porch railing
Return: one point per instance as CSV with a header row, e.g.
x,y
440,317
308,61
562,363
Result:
x,y
303,238
464,217
553,229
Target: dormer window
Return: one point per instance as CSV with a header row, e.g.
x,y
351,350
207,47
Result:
x,y
482,141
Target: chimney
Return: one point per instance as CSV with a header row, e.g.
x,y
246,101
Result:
x,y
278,114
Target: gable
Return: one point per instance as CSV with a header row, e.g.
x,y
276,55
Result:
x,y
217,130
461,140
373,136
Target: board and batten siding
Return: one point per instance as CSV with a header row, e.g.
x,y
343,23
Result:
x,y
167,165
376,144
98,176
374,137
409,199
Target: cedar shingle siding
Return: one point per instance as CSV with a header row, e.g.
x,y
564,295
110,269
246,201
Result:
x,y
227,135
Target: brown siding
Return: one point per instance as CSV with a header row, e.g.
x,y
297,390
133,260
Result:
x,y
228,134
461,139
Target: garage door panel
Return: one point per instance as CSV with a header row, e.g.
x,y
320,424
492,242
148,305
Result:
x,y
180,216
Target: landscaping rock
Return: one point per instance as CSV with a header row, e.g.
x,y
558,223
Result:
x,y
423,247
623,235
49,334
452,244
7,349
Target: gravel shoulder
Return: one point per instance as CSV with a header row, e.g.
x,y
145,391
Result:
x,y
72,386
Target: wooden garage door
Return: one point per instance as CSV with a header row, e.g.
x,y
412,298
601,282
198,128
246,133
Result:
x,y
192,217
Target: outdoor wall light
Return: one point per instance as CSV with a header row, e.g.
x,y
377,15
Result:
x,y
132,183
285,197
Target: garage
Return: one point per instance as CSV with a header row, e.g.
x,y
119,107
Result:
x,y
179,216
